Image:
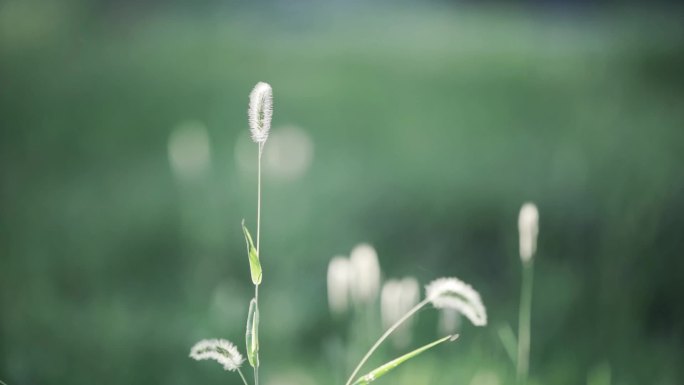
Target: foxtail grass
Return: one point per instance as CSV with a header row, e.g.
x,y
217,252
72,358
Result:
x,y
357,279
222,351
528,228
443,293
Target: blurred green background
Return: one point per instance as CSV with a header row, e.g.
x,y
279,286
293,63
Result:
x,y
419,127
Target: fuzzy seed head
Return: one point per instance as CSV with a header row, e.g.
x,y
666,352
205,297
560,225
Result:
x,y
339,284
260,112
219,350
528,227
366,274
452,293
396,299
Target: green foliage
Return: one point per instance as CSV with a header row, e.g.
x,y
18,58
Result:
x,y
252,334
254,263
391,365
430,127
509,341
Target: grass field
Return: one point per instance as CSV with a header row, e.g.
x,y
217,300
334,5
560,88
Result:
x,y
426,127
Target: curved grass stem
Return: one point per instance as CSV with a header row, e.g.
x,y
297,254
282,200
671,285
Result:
x,y
384,337
242,376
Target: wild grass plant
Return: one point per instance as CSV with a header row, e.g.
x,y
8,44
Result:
x,y
358,280
528,228
518,347
224,352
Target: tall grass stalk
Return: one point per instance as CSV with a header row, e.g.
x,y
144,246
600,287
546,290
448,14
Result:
x,y
220,350
524,319
528,229
256,287
260,112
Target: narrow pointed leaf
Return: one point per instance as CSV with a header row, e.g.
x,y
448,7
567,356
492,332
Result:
x,y
252,334
386,368
509,342
254,264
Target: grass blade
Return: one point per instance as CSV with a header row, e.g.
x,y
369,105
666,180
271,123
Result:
x,y
386,368
252,334
254,264
509,341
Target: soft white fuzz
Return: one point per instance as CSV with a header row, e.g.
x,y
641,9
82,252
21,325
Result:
x,y
452,293
339,282
396,299
260,112
528,227
366,268
221,351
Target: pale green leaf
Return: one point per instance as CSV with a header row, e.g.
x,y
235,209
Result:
x,y
254,264
252,334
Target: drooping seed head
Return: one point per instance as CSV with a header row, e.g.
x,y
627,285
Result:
x,y
260,112
528,227
219,350
452,293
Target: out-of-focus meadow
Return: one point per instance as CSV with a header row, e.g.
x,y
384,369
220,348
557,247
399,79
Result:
x,y
126,168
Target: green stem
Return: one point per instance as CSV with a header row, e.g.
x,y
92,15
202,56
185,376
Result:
x,y
384,337
244,380
386,368
256,287
524,318
261,148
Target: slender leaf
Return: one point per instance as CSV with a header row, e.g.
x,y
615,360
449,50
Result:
x,y
254,264
509,342
386,368
252,334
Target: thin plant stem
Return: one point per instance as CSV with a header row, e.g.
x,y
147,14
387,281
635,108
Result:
x,y
524,318
256,287
242,376
261,148
384,337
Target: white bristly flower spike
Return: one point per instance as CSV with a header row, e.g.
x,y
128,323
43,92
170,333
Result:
x,y
396,299
528,227
339,281
221,351
366,270
260,112
452,293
